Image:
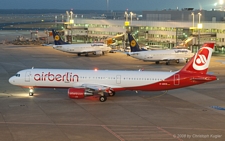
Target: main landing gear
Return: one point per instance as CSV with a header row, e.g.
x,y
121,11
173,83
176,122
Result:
x,y
187,60
103,96
157,62
86,54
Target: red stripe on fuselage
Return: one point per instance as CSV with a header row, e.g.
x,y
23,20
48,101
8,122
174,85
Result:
x,y
184,80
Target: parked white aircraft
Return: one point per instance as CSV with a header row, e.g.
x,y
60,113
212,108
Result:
x,y
94,48
81,83
158,55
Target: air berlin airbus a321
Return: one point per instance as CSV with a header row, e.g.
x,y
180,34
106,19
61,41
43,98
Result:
x,y
81,83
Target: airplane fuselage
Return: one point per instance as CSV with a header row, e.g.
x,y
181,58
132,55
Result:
x,y
83,48
163,55
81,83
118,80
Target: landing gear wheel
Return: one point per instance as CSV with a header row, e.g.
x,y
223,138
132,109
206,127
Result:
x,y
111,93
102,98
157,62
167,63
78,54
31,94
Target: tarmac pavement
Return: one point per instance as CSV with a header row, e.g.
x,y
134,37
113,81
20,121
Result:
x,y
186,114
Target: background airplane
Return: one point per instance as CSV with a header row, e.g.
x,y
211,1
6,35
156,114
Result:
x,y
158,55
81,83
94,48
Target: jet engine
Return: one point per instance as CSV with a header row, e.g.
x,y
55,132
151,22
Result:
x,y
98,52
77,93
182,61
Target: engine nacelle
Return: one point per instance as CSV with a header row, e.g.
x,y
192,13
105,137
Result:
x,y
77,93
182,61
98,52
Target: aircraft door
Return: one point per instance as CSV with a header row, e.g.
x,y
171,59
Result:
x,y
176,79
27,76
118,79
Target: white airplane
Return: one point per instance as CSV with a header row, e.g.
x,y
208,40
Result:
x,y
94,48
158,55
81,83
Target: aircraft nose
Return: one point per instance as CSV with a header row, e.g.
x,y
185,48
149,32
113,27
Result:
x,y
11,80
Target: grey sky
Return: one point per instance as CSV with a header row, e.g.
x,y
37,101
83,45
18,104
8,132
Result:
x,y
101,4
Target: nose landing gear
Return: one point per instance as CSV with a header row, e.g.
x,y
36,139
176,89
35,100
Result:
x,y
31,92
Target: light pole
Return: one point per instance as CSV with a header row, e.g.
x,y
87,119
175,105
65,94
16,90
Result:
x,y
107,5
62,17
47,36
126,15
55,19
193,22
127,23
199,17
71,24
199,27
131,15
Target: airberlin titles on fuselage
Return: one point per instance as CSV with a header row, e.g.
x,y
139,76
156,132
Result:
x,y
68,77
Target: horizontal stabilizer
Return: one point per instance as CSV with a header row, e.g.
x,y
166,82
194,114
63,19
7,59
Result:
x,y
205,78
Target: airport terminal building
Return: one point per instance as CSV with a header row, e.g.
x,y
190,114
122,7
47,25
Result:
x,y
168,28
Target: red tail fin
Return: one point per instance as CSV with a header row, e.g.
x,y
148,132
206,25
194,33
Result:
x,y
199,63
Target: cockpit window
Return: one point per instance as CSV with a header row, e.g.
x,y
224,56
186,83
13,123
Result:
x,y
17,75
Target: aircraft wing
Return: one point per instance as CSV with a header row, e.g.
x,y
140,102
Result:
x,y
84,51
172,58
97,87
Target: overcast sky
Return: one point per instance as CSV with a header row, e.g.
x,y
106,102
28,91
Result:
x,y
102,4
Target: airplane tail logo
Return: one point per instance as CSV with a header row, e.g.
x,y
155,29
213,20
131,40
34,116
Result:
x,y
133,43
134,47
202,59
200,62
57,37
